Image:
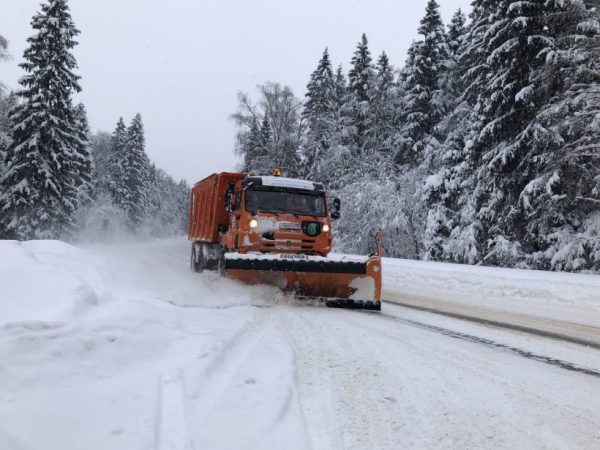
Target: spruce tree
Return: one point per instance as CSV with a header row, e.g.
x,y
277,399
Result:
x,y
265,140
454,232
83,156
101,151
4,55
7,103
251,149
40,188
183,202
426,100
456,36
514,92
520,183
136,172
257,147
341,87
384,109
358,100
456,31
558,174
117,166
320,112
3,48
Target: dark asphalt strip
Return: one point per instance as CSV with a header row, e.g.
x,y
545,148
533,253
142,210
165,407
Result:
x,y
489,343
508,326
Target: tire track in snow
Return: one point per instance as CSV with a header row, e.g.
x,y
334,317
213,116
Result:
x,y
172,430
490,343
340,381
316,396
506,325
470,394
221,371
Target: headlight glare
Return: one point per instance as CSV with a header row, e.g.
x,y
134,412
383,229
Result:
x,y
325,228
253,223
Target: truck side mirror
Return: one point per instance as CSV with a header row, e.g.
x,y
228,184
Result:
x,y
335,209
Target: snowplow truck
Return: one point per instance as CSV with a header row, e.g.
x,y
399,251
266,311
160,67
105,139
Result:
x,y
278,231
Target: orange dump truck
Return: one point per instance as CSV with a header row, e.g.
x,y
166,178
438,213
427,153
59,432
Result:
x,y
278,231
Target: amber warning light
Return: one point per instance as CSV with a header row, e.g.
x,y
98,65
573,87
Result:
x,y
277,172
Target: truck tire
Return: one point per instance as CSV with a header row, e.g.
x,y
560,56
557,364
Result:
x,y
197,259
221,265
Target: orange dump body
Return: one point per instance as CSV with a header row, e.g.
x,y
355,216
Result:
x,y
207,207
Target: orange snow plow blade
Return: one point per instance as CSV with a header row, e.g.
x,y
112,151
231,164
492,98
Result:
x,y
346,282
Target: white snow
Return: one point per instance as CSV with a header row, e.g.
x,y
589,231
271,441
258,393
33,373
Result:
x,y
288,183
123,347
527,297
332,257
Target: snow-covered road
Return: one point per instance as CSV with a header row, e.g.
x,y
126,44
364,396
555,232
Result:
x,y
122,347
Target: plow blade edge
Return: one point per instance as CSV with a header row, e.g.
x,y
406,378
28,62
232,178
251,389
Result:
x,y
347,282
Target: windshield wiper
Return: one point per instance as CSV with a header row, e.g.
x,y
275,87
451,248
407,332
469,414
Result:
x,y
275,211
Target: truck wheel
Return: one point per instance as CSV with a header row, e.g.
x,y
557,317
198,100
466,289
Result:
x,y
221,265
197,259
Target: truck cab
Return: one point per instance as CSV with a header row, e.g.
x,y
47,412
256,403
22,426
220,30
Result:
x,y
278,214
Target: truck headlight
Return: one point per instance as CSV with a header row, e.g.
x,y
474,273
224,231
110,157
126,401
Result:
x,y
325,228
253,223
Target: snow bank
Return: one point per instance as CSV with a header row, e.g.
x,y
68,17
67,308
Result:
x,y
33,293
90,339
561,296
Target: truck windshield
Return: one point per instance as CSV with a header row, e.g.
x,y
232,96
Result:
x,y
274,201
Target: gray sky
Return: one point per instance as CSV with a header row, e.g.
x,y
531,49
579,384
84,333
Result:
x,y
182,65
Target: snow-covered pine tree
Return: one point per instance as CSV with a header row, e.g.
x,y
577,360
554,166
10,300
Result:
x,y
264,144
3,48
356,109
385,105
136,172
183,202
101,151
518,43
320,114
4,55
338,162
558,174
7,103
341,87
164,216
256,147
155,207
454,231
425,100
456,31
456,36
117,166
40,187
250,148
83,157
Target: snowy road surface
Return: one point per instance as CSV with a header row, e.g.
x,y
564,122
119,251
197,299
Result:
x,y
121,347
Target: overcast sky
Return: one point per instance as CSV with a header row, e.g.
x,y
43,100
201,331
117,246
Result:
x,y
182,65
